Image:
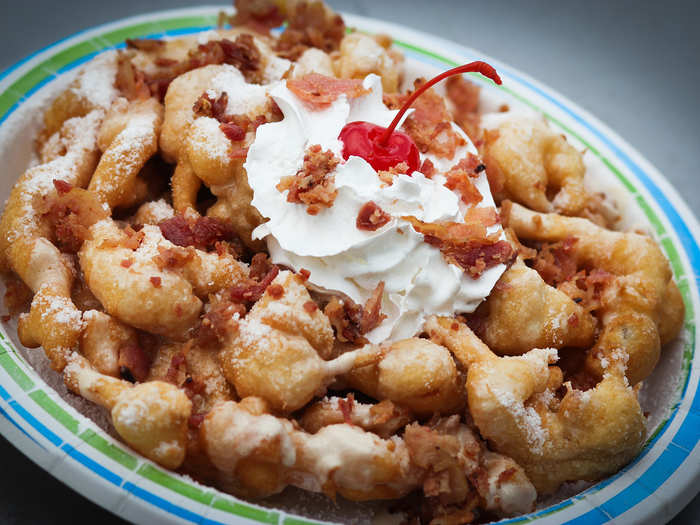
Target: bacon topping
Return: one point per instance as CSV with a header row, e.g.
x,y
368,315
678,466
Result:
x,y
459,178
155,281
465,244
310,24
133,363
427,168
313,185
346,406
260,16
387,176
250,291
430,124
319,90
310,307
202,233
371,217
464,96
351,321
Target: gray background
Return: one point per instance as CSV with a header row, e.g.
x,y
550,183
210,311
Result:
x,y
635,65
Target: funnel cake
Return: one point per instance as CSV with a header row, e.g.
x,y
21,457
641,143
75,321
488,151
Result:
x,y
259,306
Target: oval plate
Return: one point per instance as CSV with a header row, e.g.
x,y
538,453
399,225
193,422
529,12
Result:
x,y
660,481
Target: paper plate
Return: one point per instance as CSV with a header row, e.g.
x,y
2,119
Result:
x,y
660,481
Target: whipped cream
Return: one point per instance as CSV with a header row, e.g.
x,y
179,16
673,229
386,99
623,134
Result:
x,y
341,257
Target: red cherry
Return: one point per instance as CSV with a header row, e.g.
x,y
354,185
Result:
x,y
384,148
362,139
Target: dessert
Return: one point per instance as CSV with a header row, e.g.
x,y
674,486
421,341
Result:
x,y
267,284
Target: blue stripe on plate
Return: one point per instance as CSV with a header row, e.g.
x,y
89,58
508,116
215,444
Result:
x,y
38,425
4,394
7,416
92,465
167,505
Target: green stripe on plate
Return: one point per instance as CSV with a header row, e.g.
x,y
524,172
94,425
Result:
x,y
71,54
30,79
14,371
245,511
44,401
7,100
653,219
288,520
194,21
673,257
108,449
684,287
166,480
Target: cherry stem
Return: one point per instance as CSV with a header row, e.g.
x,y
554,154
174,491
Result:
x,y
473,67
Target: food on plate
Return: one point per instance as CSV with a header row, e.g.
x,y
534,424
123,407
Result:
x,y
278,260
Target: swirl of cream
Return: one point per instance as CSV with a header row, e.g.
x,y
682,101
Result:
x,y
341,257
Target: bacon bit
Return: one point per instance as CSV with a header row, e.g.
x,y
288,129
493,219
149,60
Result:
x,y
572,320
319,91
176,363
260,266
127,262
313,185
506,475
133,238
196,420
371,313
62,187
486,215
216,323
130,81
351,321
371,217
172,258
430,125
134,363
249,292
145,44
465,245
155,281
503,108
276,291
310,24
387,176
464,96
556,262
233,132
202,233
205,106
310,307
427,168
346,406
459,178
305,274
71,213
261,16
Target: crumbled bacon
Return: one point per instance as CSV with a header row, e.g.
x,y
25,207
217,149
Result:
x,y
134,363
260,266
464,96
216,322
202,233
427,168
126,263
206,106
465,244
310,24
310,307
313,185
252,290
71,213
155,281
233,132
351,321
176,363
459,178
556,262
276,291
305,274
387,176
132,239
260,15
172,258
129,80
196,420
430,125
319,90
371,217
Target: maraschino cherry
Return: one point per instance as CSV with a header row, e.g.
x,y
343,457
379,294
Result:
x,y
384,147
